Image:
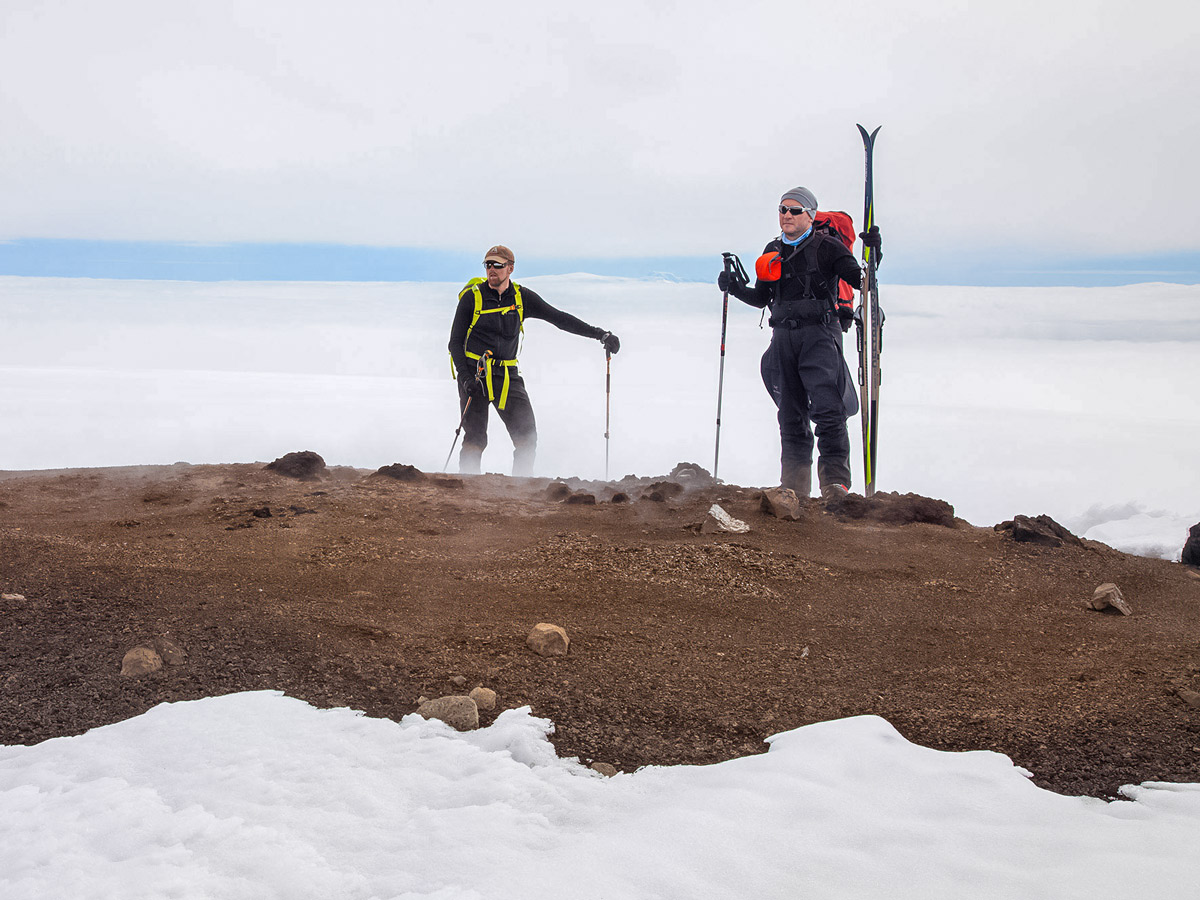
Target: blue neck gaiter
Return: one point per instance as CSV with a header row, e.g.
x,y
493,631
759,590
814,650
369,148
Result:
x,y
784,238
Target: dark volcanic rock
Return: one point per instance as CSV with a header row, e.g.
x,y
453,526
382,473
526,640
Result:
x,y
304,465
581,498
1191,549
662,491
902,509
893,509
557,490
692,475
848,506
1041,530
401,472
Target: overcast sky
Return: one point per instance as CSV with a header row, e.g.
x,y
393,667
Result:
x,y
623,128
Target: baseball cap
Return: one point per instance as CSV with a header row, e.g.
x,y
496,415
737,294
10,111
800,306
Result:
x,y
499,253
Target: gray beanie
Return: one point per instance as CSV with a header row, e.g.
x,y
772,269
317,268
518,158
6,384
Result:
x,y
801,195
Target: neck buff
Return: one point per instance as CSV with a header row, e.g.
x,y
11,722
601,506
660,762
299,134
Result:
x,y
784,237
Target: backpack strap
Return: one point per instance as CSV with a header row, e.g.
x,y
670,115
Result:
x,y
517,306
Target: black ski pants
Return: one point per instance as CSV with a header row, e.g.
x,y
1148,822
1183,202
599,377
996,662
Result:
x,y
517,417
805,374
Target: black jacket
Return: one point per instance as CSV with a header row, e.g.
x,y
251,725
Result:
x,y
501,332
808,285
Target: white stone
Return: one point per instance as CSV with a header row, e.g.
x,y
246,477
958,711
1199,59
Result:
x,y
719,520
1108,594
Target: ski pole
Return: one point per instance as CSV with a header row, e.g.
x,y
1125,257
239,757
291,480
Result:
x,y
458,431
480,369
733,265
607,404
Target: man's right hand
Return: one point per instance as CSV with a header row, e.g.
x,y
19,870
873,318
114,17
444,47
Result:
x,y
467,384
730,282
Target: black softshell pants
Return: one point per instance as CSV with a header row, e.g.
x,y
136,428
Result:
x,y
517,417
804,372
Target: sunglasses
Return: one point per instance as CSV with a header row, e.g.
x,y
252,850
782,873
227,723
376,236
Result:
x,y
490,264
792,210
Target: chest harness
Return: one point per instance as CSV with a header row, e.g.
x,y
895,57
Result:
x,y
490,360
815,303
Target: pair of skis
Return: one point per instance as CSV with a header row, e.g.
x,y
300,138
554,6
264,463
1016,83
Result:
x,y
869,321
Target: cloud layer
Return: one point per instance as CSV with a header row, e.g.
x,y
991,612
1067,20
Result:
x,y
623,130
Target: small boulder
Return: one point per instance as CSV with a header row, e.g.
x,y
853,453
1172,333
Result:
x,y
305,465
1109,597
548,640
782,503
170,652
620,497
1191,549
140,661
1041,530
908,509
848,506
605,769
12,596
890,508
662,491
460,713
720,521
458,680
485,698
557,490
691,474
581,498
1191,698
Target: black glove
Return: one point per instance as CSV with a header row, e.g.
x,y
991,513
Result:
x,y
730,282
467,384
845,317
870,238
611,342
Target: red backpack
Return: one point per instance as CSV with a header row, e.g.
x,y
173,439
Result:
x,y
841,226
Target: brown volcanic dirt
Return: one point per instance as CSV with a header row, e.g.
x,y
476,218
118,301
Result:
x,y
367,591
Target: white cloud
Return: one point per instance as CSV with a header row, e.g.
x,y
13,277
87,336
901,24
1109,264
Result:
x,y
632,128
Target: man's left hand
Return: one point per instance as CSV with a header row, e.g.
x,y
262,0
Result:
x,y
611,342
870,238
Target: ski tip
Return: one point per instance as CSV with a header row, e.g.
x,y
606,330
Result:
x,y
869,136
